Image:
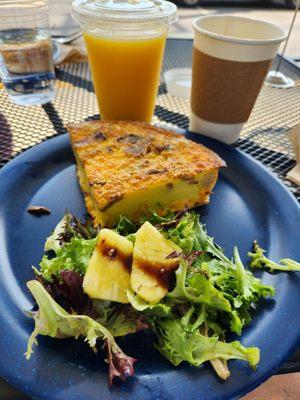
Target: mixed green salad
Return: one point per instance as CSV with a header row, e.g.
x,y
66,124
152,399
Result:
x,y
200,297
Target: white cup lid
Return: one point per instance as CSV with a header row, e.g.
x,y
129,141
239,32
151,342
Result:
x,y
126,10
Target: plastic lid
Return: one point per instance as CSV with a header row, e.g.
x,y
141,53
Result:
x,y
179,82
127,10
279,80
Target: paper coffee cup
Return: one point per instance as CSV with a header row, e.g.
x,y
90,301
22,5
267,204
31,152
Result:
x,y
231,57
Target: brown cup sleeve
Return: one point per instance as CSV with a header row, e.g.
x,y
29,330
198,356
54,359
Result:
x,y
225,91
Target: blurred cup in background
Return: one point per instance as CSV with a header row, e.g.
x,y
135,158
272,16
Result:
x,y
231,57
26,64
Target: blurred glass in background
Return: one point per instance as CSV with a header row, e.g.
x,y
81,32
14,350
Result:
x,y
63,27
26,63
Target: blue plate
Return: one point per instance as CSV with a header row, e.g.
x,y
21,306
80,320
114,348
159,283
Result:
x,y
248,203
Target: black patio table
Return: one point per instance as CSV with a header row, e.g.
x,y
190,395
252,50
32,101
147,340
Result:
x,y
264,136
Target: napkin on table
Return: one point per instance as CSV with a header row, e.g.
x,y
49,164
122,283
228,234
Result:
x,y
294,174
72,53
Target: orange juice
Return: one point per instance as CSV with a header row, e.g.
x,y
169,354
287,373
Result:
x,y
125,75
125,42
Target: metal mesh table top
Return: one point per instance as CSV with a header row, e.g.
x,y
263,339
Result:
x,y
264,136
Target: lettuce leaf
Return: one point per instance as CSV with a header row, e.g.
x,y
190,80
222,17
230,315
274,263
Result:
x,y
190,235
73,256
244,284
259,260
68,228
185,233
52,320
159,309
197,289
178,344
120,319
53,242
125,227
68,292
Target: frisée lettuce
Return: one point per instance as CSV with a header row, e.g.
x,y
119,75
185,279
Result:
x,y
259,260
73,256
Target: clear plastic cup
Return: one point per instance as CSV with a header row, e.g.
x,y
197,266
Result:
x,y
125,42
26,64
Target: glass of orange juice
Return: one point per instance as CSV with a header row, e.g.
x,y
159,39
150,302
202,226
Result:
x,y
125,42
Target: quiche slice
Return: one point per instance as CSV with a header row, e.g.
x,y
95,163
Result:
x,y
128,168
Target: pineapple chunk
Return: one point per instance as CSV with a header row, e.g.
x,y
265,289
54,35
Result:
x,y
154,260
108,273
